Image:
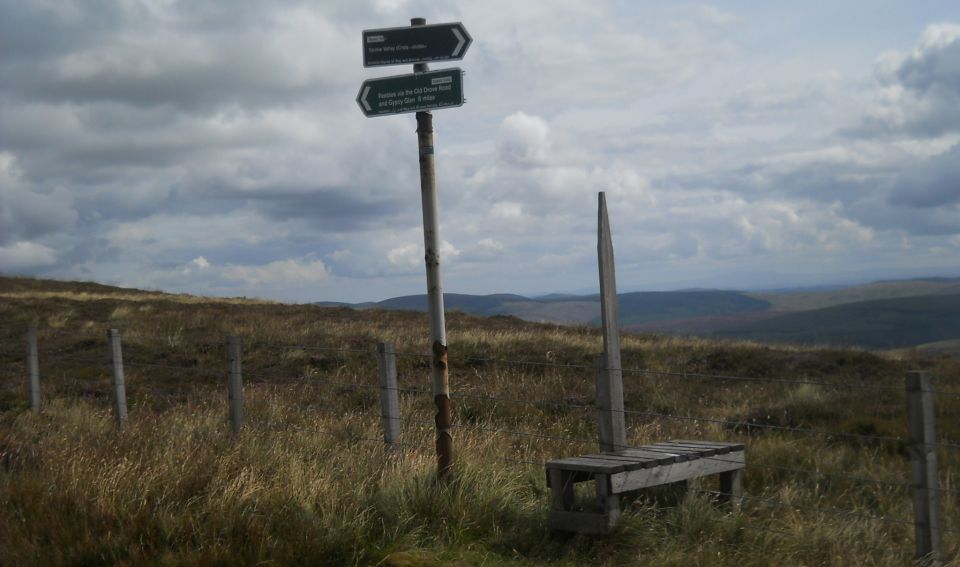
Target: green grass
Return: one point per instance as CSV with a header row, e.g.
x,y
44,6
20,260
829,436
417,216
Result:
x,y
308,481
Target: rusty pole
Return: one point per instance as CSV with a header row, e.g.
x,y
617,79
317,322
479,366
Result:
x,y
431,242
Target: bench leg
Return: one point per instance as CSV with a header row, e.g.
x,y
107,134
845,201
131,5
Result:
x,y
561,485
731,487
608,502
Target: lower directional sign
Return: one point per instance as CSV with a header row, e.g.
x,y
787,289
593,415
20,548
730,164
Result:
x,y
411,93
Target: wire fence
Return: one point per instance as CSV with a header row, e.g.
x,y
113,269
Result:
x,y
764,464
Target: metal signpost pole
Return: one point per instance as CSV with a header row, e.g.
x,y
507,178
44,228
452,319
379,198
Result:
x,y
421,92
431,242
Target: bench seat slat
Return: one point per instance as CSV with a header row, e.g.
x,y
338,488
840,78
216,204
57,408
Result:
x,y
627,463
631,462
679,456
678,447
654,457
732,446
720,449
715,450
643,478
603,466
690,450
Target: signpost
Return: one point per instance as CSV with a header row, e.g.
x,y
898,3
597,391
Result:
x,y
411,93
421,92
415,44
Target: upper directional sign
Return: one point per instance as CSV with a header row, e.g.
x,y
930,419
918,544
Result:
x,y
411,93
415,44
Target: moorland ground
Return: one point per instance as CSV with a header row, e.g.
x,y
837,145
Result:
x,y
308,481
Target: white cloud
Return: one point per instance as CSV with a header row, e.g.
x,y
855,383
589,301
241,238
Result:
x,y
406,255
920,90
523,139
448,251
410,256
716,16
185,230
289,272
25,255
131,148
28,211
489,245
563,260
506,210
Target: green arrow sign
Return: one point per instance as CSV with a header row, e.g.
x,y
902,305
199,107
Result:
x,y
415,44
411,93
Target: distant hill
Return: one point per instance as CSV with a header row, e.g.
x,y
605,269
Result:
x,y
562,311
635,307
646,307
475,304
882,324
24,284
920,314
805,299
885,314
364,305
949,347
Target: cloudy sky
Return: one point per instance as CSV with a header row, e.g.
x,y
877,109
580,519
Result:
x,y
215,146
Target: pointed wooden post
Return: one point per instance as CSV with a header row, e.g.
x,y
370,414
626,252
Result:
x,y
612,428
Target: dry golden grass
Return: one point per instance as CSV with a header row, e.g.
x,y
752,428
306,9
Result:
x,y
309,482
137,298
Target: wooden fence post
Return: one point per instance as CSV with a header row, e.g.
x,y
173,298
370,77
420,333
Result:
x,y
613,434
33,369
923,462
389,396
235,383
119,389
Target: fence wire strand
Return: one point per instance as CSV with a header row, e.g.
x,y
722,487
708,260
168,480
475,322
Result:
x,y
59,355
626,370
724,422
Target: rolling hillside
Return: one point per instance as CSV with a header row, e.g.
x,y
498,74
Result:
x,y
885,314
474,304
882,324
308,480
804,300
647,307
635,307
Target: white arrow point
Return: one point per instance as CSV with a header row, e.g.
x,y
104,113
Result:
x,y
460,41
363,98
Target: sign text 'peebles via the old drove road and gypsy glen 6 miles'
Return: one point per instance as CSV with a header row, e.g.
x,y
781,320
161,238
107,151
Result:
x,y
411,93
415,44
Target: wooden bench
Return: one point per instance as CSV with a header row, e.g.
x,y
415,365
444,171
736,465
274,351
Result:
x,y
620,472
